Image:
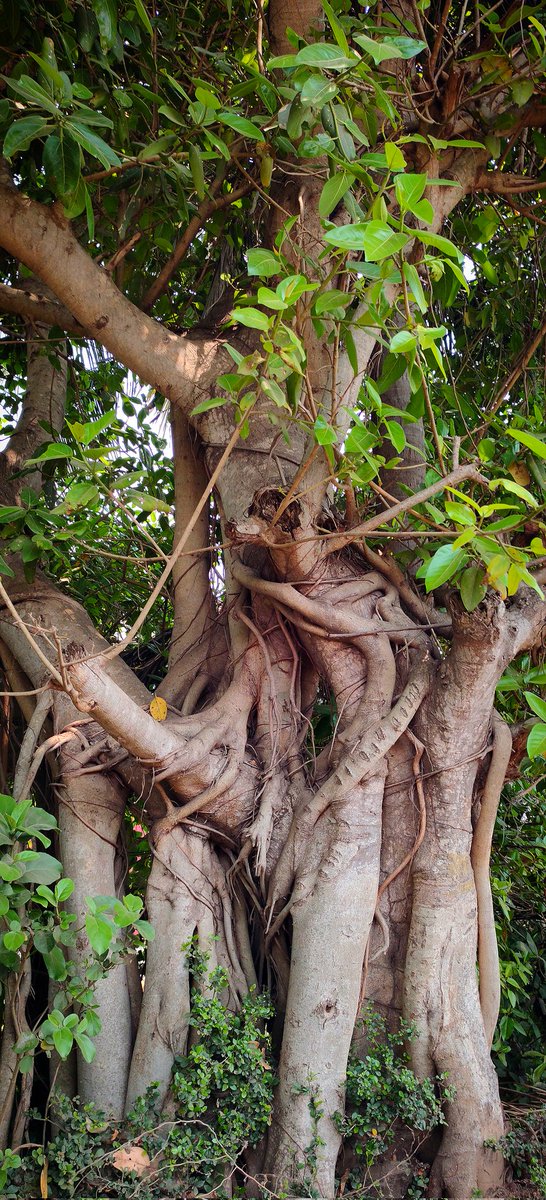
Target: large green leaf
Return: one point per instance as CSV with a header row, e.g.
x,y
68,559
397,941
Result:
x,y
93,144
443,565
38,867
241,125
333,191
528,439
22,133
61,159
380,241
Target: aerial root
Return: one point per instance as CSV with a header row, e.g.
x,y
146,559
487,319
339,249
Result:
x,y
176,816
406,862
488,955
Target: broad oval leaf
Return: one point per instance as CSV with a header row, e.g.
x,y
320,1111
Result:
x,y
39,867
241,125
333,191
22,133
536,742
262,262
443,565
251,317
473,587
380,241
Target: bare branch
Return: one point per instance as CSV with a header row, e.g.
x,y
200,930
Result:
x,y
28,303
209,206
504,183
447,481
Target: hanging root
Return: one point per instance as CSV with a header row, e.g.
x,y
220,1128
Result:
x,y
488,955
406,862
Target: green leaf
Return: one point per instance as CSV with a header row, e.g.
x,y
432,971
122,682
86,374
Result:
x,y
63,1040
394,157
92,429
273,392
293,286
522,90
107,20
14,939
241,125
263,262
206,405
336,27
32,92
411,275
536,742
55,963
143,16
536,705
516,489
63,889
86,1046
318,91
5,569
99,932
324,434
93,144
528,439
146,502
269,299
396,435
79,495
251,317
409,190
473,588
441,243
62,159
378,51
443,564
38,867
380,241
22,133
407,47
324,54
460,513
333,192
403,342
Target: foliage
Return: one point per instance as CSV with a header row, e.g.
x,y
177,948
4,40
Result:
x,y
524,1148
519,891
383,1094
34,920
222,1092
223,1087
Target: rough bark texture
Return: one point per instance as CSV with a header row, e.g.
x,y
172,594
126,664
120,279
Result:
x,y
353,873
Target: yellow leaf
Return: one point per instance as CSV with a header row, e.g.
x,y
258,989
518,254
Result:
x,y
44,1193
158,708
519,472
134,1158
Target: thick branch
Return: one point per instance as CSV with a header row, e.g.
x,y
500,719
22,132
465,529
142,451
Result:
x,y
43,310
41,238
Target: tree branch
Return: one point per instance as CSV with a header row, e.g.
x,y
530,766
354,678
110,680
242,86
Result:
x,y
41,238
29,304
447,481
501,183
209,206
